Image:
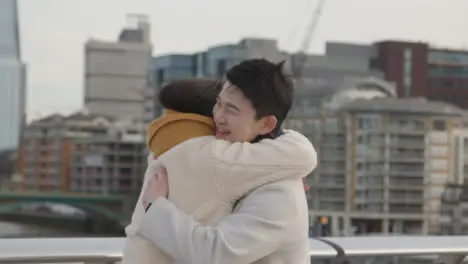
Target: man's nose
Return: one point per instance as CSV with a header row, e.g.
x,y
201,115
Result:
x,y
218,116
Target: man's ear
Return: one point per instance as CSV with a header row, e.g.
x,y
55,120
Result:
x,y
268,123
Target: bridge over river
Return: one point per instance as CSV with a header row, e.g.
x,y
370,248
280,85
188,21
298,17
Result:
x,y
59,213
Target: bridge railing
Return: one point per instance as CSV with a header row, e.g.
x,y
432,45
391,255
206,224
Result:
x,y
441,250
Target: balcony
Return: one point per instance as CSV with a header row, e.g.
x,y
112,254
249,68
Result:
x,y
407,143
406,209
329,181
406,197
337,156
408,171
403,183
430,249
332,170
406,130
407,157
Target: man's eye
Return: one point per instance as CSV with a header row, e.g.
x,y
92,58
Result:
x,y
232,110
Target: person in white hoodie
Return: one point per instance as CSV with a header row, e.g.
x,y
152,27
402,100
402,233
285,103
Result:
x,y
208,176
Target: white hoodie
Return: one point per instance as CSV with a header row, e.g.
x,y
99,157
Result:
x,y
207,176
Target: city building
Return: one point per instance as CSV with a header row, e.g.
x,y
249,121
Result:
x,y
454,210
164,69
7,161
418,69
84,153
387,145
448,76
12,78
383,161
405,64
107,164
318,75
212,63
116,73
341,62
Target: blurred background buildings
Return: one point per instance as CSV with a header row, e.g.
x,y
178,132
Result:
x,y
388,120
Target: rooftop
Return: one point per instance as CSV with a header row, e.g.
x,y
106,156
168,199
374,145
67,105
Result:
x,y
404,105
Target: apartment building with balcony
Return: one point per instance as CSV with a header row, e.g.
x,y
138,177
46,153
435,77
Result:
x,y
454,210
383,161
81,153
109,164
454,207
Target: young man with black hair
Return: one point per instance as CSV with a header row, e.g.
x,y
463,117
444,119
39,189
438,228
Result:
x,y
270,224
263,93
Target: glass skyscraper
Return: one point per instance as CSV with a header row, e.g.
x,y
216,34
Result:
x,y
12,78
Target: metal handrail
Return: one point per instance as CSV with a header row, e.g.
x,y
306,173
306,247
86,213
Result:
x,y
401,245
60,250
449,249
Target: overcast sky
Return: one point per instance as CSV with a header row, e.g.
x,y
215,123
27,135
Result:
x,y
53,31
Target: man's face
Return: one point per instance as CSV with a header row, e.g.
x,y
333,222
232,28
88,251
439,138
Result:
x,y
234,117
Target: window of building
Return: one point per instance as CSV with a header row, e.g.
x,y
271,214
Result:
x,y
407,71
408,53
373,63
194,66
160,76
369,122
447,84
445,57
361,140
438,151
434,83
438,164
439,125
221,68
311,126
204,64
331,125
361,166
407,67
407,82
418,124
295,124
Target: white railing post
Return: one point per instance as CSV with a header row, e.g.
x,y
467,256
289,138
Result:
x,y
447,249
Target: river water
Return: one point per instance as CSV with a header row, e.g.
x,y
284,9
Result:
x,y
11,230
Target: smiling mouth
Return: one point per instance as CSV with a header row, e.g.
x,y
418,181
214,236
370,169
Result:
x,y
222,133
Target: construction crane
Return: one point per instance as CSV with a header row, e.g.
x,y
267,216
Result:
x,y
307,39
303,50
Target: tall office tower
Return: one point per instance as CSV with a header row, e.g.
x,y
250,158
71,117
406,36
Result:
x,y
12,77
116,73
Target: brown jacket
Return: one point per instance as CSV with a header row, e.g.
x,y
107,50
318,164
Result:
x,y
175,127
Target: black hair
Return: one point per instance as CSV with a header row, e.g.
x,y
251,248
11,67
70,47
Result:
x,y
196,96
266,86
